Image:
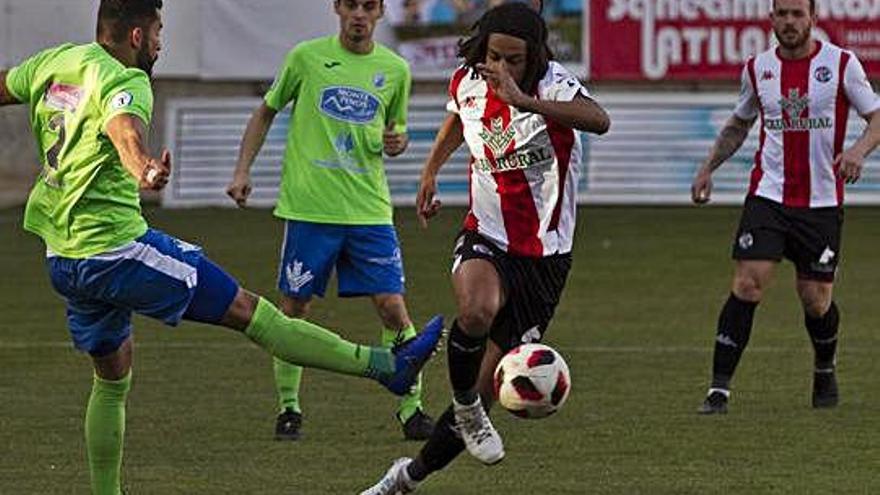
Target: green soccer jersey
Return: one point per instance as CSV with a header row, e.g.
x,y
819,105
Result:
x,y
84,202
333,170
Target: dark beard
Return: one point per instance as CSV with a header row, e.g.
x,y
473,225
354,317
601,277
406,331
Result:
x,y
144,62
801,40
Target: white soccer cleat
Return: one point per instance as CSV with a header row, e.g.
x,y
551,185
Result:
x,y
395,482
480,437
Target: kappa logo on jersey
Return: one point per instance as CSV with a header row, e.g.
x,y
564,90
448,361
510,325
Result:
x,y
823,74
63,96
471,109
121,100
347,104
498,138
296,278
794,105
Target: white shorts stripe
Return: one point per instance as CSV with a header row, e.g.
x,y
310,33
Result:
x,y
151,257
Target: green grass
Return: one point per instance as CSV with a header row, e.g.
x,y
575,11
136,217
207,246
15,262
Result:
x,y
636,326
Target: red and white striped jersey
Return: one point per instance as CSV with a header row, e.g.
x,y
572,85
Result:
x,y
804,106
524,167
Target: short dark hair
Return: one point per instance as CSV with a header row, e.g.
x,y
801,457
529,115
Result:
x,y
519,21
116,18
812,6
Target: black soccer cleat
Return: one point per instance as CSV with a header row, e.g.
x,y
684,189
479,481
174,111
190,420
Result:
x,y
418,427
825,394
715,403
288,424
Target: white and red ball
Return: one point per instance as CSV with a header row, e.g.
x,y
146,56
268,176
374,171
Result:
x,y
532,381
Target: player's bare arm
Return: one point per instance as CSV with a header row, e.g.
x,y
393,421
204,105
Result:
x,y
851,161
449,138
394,142
254,137
6,97
127,133
582,113
729,140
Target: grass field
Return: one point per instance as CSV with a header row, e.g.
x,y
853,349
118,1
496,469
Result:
x,y
636,325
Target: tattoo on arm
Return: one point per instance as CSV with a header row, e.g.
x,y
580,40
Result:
x,y
729,141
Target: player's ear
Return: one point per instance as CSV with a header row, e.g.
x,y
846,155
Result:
x,y
136,37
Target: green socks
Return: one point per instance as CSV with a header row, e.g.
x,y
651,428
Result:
x,y
412,401
287,380
305,344
105,432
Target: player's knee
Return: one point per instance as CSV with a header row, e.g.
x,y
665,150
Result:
x,y
240,312
748,288
815,305
476,320
114,365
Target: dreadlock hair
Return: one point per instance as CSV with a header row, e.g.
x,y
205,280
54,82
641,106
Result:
x,y
116,18
517,20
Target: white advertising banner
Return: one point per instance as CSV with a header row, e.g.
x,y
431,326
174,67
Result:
x,y
656,142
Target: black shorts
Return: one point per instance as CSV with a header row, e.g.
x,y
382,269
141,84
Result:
x,y
809,237
532,287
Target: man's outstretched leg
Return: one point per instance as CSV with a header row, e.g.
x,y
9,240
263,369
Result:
x,y
305,344
219,300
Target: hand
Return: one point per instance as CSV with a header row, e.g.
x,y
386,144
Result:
x,y
849,165
701,189
156,172
502,83
240,188
395,143
426,206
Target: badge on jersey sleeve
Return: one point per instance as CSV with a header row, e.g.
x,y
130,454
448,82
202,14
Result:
x,y
121,100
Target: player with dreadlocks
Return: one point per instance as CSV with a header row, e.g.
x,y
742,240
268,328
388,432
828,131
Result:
x,y
519,113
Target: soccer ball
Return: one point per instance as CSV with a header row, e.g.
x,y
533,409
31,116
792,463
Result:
x,y
532,381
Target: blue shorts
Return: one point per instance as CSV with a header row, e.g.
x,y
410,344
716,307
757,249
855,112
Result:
x,y
366,258
155,275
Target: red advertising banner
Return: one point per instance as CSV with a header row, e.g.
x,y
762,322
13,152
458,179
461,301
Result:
x,y
634,40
